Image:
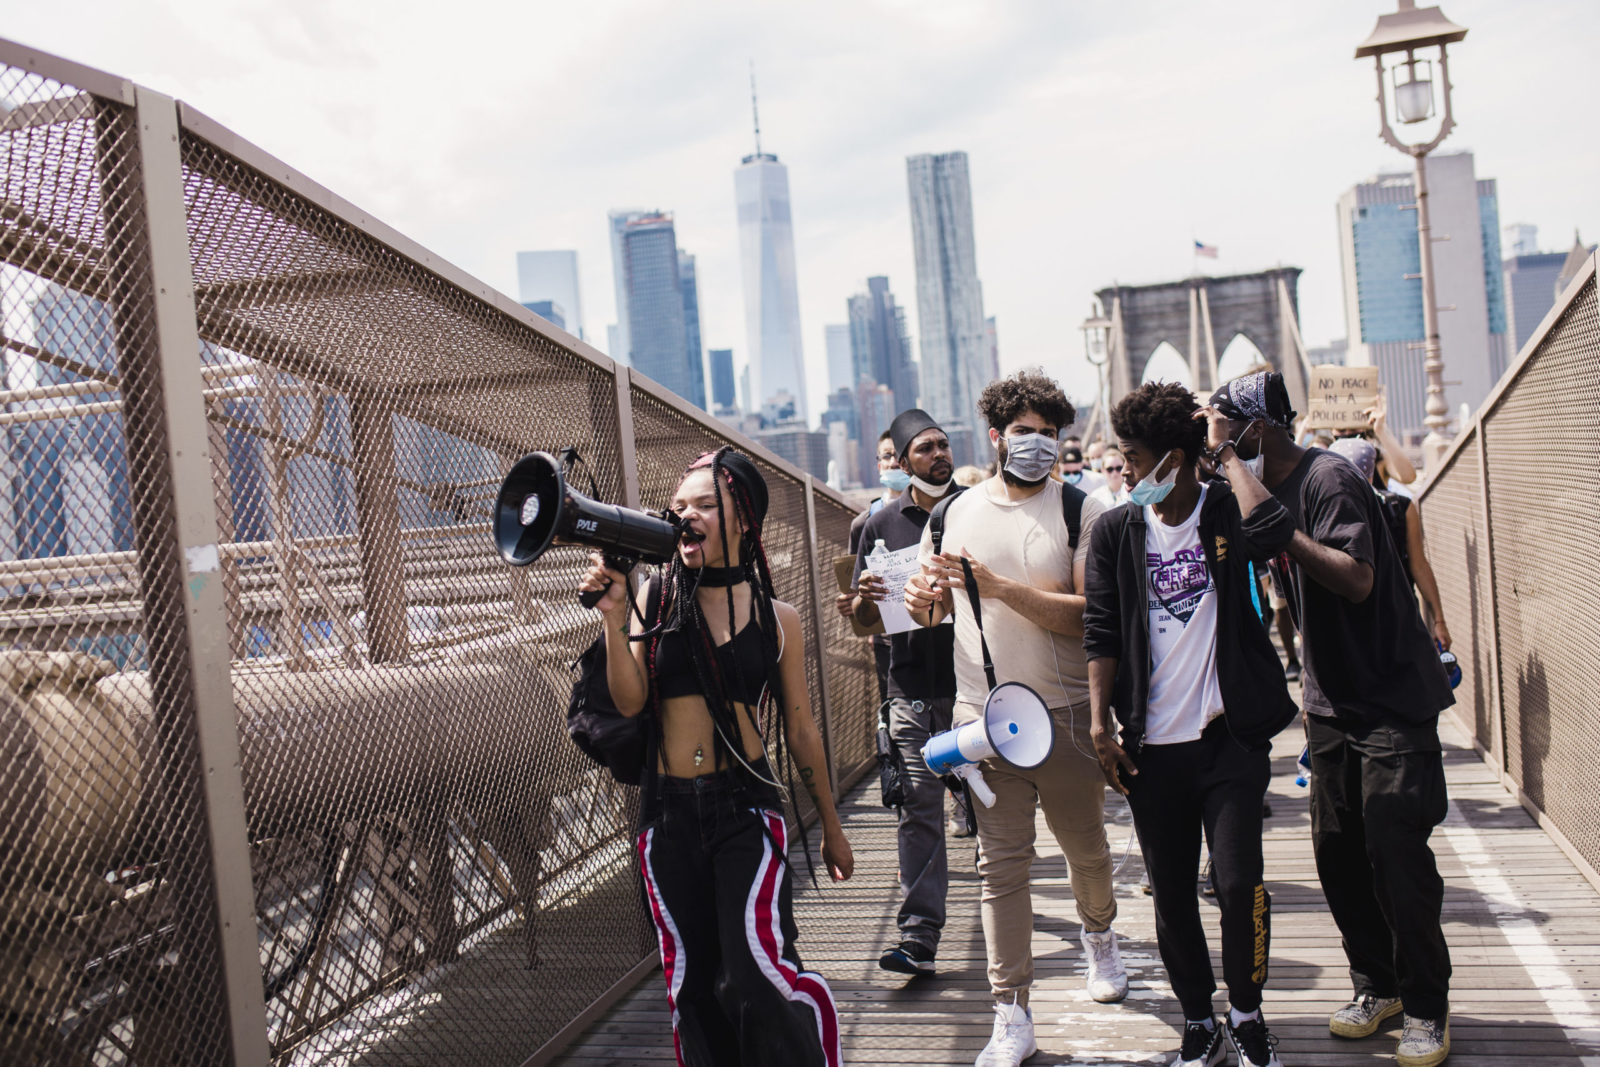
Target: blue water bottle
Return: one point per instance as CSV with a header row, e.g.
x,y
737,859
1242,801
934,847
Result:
x,y
1302,768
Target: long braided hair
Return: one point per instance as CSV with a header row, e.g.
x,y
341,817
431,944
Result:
x,y
739,483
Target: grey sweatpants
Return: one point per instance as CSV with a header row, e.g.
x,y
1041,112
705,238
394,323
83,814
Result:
x,y
924,871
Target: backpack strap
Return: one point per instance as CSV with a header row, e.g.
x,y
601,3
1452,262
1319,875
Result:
x,y
1072,499
936,516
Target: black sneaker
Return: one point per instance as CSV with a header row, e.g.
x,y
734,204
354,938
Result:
x,y
1201,1047
1291,673
1253,1043
1208,879
908,957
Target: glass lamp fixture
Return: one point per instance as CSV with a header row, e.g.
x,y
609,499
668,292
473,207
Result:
x,y
1413,97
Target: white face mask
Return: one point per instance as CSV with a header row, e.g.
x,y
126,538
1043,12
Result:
x,y
1030,457
930,488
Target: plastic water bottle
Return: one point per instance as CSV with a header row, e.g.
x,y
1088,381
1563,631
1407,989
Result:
x,y
1302,768
876,564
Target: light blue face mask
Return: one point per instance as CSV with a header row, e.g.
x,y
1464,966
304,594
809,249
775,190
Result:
x,y
894,479
1153,490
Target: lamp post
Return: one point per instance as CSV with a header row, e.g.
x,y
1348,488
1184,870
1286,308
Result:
x,y
1403,34
1096,333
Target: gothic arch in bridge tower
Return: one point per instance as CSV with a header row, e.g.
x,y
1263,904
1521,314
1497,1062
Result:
x,y
1165,364
1238,356
1187,318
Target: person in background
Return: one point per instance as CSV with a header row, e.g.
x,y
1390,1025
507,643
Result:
x,y
894,482
968,476
1070,469
1094,455
1403,515
1391,453
1176,652
1114,492
1013,532
1373,689
922,693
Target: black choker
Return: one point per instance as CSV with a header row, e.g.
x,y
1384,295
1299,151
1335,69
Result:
x,y
720,577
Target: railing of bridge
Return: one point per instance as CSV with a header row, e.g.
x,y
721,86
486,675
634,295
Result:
x,y
286,773
1509,526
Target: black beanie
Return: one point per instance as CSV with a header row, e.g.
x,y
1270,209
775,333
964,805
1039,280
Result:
x,y
906,426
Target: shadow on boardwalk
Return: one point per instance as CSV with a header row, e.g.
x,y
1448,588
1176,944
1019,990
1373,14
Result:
x,y
1522,922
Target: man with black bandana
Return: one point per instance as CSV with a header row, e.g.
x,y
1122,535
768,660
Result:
x,y
1013,532
1374,688
922,691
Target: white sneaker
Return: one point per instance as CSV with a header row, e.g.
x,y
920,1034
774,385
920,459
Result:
x,y
1012,1040
1107,979
1423,1042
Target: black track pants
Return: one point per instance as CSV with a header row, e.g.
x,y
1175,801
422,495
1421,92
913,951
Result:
x,y
1377,792
1211,785
718,884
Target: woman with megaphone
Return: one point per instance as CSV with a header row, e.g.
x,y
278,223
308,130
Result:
x,y
719,676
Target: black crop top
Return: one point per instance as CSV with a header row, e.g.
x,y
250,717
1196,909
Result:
x,y
741,661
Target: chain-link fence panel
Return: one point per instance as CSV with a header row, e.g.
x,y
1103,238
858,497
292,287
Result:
x,y
852,678
1456,535
439,873
109,922
1549,652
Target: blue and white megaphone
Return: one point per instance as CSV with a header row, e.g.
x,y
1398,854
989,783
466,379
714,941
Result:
x,y
1015,726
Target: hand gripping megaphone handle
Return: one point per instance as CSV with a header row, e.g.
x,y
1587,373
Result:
x,y
589,598
969,773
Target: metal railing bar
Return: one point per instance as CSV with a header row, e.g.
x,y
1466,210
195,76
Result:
x,y
66,72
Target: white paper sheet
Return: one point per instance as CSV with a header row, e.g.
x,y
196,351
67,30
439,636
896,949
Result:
x,y
896,569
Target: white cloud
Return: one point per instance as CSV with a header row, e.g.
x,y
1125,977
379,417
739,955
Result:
x,y
1103,138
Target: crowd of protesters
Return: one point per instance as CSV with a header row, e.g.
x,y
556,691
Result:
x,y
1136,588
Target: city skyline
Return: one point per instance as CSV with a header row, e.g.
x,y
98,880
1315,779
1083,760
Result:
x,y
1075,121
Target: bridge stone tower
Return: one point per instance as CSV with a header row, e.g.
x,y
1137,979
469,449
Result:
x,y
1191,314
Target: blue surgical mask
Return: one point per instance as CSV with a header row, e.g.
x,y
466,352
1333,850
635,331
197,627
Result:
x,y
1030,457
894,479
1153,490
1072,477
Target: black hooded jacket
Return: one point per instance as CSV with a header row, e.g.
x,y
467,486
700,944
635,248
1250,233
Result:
x,y
1255,697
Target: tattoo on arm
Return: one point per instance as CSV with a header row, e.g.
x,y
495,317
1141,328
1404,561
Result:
x,y
808,778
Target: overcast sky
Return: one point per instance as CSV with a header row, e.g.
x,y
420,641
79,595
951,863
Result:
x,y
1103,137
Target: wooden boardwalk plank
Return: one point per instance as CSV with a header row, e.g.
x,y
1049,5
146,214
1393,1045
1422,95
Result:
x,y
1522,922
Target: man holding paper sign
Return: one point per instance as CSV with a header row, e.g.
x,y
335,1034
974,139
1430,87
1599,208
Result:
x,y
922,681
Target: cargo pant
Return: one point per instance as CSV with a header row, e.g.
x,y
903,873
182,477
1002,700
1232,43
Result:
x,y
924,862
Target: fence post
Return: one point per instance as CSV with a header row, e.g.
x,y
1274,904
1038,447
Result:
x,y
819,609
627,455
383,579
181,581
1498,700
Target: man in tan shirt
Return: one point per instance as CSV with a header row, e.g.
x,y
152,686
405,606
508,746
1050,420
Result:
x,y
1030,580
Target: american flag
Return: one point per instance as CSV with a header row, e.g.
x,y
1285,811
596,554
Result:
x,y
1209,251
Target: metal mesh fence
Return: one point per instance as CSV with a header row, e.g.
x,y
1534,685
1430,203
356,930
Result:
x,y
437,874
1517,575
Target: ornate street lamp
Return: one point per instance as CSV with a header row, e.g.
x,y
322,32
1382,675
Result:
x,y
1402,35
1097,350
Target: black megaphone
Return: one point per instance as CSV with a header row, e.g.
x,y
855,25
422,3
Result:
x,y
536,509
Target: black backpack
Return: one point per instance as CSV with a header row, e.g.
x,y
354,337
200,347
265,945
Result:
x,y
618,742
1072,499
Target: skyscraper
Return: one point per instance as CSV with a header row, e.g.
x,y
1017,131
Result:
x,y
549,311
771,290
1530,282
950,316
693,353
841,366
880,347
552,275
724,395
657,326
617,221
1383,297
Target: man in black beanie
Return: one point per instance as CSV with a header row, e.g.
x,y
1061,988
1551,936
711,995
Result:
x,y
1374,688
922,691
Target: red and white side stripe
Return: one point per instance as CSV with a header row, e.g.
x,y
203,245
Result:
x,y
673,963
761,926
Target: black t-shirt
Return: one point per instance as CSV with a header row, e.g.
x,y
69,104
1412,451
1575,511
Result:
x,y
922,662
1371,661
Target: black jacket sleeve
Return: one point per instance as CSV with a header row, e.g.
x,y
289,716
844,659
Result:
x,y
1267,530
1102,609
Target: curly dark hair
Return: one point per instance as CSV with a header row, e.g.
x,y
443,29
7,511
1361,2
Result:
x,y
1005,398
1160,415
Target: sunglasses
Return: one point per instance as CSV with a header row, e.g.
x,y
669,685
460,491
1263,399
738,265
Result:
x,y
1113,468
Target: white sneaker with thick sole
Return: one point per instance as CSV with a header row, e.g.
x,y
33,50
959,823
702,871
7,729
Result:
x,y
1107,979
1363,1015
1012,1040
1423,1042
